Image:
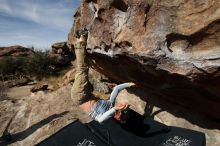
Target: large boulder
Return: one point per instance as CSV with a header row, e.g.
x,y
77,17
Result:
x,y
59,59
170,48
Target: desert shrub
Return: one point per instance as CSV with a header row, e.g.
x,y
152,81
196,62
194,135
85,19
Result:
x,y
7,66
39,65
10,65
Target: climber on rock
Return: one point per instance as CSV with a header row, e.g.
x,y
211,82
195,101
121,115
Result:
x,y
81,92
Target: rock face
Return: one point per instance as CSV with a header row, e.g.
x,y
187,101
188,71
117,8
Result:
x,y
15,51
170,48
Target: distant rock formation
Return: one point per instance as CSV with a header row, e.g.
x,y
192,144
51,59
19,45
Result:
x,y
61,54
60,48
171,48
15,51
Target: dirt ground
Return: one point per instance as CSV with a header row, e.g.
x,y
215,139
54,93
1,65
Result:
x,y
19,92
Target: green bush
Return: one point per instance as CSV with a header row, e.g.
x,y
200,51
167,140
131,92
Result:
x,y
7,66
40,65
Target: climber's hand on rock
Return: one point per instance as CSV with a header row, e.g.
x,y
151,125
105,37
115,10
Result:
x,y
121,106
82,39
132,84
81,35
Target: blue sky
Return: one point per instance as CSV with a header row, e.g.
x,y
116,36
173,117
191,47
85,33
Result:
x,y
38,23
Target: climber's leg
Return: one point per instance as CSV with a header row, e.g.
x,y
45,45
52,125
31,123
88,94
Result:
x,y
81,90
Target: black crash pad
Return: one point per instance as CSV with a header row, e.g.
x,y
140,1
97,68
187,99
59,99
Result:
x,y
136,131
75,134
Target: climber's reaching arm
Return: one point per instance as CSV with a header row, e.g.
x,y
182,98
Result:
x,y
117,89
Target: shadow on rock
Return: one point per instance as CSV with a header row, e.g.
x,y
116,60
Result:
x,y
155,100
24,134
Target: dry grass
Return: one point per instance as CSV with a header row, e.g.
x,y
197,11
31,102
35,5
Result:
x,y
53,82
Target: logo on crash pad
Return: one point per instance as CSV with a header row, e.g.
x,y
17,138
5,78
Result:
x,y
86,142
177,141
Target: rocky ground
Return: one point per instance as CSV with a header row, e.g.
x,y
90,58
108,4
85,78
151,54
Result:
x,y
35,116
38,115
19,92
